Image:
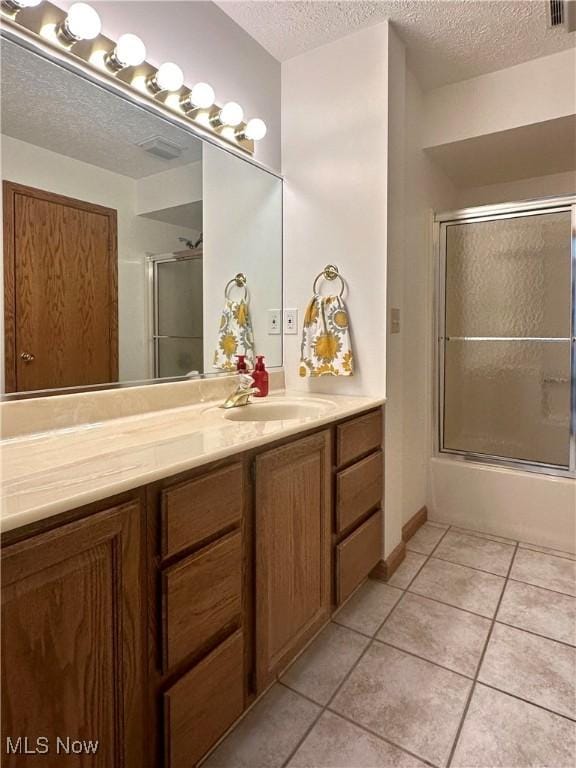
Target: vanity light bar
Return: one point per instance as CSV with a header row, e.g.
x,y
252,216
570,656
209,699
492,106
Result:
x,y
79,32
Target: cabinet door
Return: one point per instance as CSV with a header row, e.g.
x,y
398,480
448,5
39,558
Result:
x,y
72,644
292,550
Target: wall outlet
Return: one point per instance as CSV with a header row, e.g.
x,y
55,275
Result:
x,y
290,321
274,322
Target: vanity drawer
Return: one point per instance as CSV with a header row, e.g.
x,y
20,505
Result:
x,y
204,703
357,437
357,555
197,509
201,596
358,490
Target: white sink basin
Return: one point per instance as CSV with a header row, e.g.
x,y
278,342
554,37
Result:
x,y
284,410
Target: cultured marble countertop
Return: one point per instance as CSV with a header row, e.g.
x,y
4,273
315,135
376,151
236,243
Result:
x,y
47,473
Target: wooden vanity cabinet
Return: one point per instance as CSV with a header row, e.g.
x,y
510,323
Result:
x,y
293,550
72,638
150,621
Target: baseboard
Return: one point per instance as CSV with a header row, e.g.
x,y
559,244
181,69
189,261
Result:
x,y
385,568
417,520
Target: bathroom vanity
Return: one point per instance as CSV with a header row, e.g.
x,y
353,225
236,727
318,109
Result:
x,y
151,618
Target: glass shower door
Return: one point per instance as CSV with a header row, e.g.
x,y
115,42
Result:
x,y
506,337
178,316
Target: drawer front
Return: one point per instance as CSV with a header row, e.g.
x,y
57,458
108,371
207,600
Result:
x,y
357,555
201,596
357,437
197,509
358,490
204,703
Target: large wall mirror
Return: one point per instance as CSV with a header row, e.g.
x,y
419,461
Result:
x,y
133,250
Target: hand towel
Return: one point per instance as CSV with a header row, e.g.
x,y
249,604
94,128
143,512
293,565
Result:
x,y
235,336
326,346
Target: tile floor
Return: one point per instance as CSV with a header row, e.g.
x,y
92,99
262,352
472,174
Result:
x,y
466,657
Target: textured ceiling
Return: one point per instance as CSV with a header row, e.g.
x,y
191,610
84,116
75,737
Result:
x,y
447,40
46,105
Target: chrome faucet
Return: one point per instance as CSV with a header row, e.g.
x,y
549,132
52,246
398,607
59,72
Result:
x,y
242,393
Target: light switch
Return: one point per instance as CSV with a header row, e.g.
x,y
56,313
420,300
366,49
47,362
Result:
x,y
394,320
274,324
290,321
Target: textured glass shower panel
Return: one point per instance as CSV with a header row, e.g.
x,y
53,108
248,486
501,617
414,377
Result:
x,y
509,399
179,357
509,277
179,298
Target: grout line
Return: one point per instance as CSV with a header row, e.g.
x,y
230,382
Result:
x,y
472,567
527,701
449,605
532,584
479,666
536,634
423,658
561,555
379,736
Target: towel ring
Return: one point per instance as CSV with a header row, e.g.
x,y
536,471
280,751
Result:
x,y
330,272
239,281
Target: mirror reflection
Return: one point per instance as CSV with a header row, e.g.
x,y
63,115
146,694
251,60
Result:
x,y
133,250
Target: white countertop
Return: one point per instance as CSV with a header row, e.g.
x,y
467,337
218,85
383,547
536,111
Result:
x,y
51,472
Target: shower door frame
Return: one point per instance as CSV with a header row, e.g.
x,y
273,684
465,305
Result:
x,y
496,213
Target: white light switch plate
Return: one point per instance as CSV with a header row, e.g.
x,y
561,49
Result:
x,y
274,322
290,321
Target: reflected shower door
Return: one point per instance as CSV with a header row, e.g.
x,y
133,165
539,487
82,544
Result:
x,y
506,337
178,316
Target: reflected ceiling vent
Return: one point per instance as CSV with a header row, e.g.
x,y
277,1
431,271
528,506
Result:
x,y
562,13
160,147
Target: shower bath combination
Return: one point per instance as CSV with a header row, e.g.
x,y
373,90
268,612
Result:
x,y
506,335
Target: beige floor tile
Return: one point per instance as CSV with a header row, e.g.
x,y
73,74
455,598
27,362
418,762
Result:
x,y
534,668
459,586
439,523
415,704
425,539
268,734
503,732
325,663
545,571
539,610
483,535
336,743
548,550
407,569
437,632
477,552
368,607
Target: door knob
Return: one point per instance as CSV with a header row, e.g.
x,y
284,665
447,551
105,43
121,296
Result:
x,y
28,357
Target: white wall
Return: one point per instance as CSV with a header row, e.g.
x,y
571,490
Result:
x,y
552,185
169,189
28,164
209,47
242,233
335,164
533,92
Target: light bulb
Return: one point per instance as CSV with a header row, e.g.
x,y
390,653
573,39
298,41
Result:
x,y
130,51
202,96
255,129
81,23
17,5
231,114
169,77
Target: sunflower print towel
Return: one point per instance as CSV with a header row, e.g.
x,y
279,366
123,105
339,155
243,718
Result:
x,y
326,346
235,336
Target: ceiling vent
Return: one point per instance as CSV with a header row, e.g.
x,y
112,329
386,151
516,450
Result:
x,y
160,147
562,13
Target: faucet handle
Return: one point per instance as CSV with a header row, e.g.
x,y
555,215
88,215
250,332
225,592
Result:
x,y
245,380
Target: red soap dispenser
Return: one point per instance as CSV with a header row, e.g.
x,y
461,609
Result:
x,y
260,376
241,366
